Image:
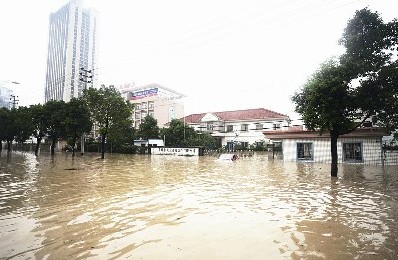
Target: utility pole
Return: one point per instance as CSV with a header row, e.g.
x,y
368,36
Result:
x,y
14,100
86,77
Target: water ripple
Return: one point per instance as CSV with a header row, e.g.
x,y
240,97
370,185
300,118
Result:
x,y
134,206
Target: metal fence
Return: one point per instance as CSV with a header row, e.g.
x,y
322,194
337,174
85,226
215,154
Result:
x,y
390,157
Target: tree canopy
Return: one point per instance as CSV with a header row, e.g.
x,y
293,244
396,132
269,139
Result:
x,y
7,132
179,134
108,109
77,121
148,128
23,123
39,121
54,110
360,85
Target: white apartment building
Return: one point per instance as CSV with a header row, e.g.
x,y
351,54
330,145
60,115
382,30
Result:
x,y
72,51
239,127
160,102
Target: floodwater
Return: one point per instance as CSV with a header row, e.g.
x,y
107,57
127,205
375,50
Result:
x,y
170,207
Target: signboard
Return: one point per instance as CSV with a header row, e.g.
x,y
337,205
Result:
x,y
144,93
175,151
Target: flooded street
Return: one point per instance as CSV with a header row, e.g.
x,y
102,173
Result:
x,y
170,207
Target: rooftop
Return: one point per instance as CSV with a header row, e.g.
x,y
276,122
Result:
x,y
301,134
132,88
238,115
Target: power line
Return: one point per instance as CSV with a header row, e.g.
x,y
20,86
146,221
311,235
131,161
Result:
x,y
214,32
196,32
186,37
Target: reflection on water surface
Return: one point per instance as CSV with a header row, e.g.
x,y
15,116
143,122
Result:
x,y
166,207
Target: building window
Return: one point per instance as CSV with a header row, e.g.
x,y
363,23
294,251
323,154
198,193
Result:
x,y
230,128
244,145
277,126
304,151
230,146
143,105
259,126
137,116
138,106
151,105
244,127
209,127
352,152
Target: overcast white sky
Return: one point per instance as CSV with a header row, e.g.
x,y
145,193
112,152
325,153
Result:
x,y
223,54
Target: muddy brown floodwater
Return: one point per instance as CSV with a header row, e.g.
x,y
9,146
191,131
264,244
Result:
x,y
170,207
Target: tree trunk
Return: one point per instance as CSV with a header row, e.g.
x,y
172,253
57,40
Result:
x,y
73,147
54,140
9,145
38,140
333,149
103,146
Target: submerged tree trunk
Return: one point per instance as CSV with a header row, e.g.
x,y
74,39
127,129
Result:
x,y
54,140
333,149
9,145
38,141
73,146
103,146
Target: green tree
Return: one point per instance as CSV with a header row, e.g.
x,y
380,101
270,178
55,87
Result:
x,y
108,108
39,120
77,120
54,111
203,139
179,134
360,85
3,122
23,124
148,128
121,136
7,132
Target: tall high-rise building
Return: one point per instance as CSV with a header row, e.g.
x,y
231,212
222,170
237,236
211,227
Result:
x,y
72,52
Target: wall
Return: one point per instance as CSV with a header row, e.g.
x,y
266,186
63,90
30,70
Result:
x,y
371,149
252,135
161,110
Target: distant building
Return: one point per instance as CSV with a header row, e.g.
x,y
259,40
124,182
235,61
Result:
x,y
161,103
239,127
149,143
72,51
5,97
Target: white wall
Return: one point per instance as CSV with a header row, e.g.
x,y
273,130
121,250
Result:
x,y
371,149
252,135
